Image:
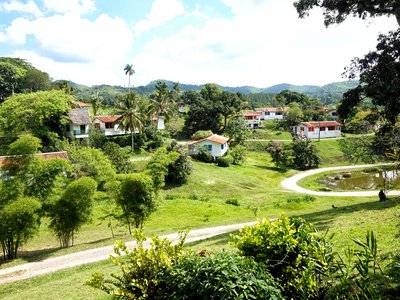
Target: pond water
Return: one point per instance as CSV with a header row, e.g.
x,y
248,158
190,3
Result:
x,y
359,180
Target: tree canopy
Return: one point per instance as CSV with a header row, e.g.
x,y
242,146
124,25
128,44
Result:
x,y
337,11
42,113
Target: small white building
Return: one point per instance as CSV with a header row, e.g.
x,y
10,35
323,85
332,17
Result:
x,y
78,126
159,121
271,113
252,118
216,144
318,130
110,125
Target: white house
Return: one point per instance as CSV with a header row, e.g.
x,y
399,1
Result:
x,y
271,113
252,118
78,126
110,125
159,121
318,130
216,144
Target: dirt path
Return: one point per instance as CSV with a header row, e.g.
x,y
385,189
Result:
x,y
291,183
29,270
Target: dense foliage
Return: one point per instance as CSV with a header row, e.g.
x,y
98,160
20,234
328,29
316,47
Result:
x,y
300,154
292,252
221,276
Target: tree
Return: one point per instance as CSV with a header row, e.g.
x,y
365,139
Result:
x,y
305,154
229,104
129,71
379,73
238,132
35,80
19,221
42,113
133,114
9,78
294,115
72,210
25,144
162,103
117,156
358,149
137,198
338,11
94,163
180,169
96,102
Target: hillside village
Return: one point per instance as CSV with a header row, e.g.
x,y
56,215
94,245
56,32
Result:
x,y
185,191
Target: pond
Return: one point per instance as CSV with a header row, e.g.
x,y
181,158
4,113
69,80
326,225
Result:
x,y
360,180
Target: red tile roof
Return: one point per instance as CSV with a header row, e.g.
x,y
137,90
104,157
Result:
x,y
213,138
47,155
271,109
108,119
251,113
321,124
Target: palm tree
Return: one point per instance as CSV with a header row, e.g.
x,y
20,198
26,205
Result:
x,y
162,101
96,103
132,114
129,71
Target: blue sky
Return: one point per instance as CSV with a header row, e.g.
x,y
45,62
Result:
x,y
229,42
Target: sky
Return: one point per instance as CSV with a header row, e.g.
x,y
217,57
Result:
x,y
230,42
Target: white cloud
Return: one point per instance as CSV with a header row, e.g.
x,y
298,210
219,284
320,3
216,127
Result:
x,y
264,43
14,5
161,11
70,6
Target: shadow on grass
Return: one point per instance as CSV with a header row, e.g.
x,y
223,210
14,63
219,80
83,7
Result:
x,y
323,219
275,169
42,254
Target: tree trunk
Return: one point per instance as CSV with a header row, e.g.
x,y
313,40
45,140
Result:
x,y
397,14
132,140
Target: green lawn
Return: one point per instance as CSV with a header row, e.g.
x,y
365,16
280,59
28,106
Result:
x,y
201,203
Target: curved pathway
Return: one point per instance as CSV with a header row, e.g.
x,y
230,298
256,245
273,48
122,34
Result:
x,y
291,182
53,264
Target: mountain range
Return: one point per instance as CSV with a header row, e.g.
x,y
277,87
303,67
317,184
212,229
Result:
x,y
328,94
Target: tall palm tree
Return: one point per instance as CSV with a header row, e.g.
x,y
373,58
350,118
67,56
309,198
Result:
x,y
96,102
162,101
132,114
129,71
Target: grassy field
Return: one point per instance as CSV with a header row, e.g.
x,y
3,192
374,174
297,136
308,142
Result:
x,y
202,203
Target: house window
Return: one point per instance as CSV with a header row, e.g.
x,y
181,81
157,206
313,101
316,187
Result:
x,y
302,129
208,147
267,113
311,129
109,125
322,129
278,114
97,125
222,146
83,129
331,128
68,128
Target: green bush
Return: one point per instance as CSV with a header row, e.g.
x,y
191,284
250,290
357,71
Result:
x,y
180,169
202,154
234,202
238,154
306,198
225,161
201,134
139,267
292,252
220,276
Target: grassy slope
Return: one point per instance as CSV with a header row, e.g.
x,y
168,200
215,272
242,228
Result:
x,y
201,203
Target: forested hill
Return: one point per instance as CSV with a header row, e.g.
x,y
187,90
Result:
x,y
330,93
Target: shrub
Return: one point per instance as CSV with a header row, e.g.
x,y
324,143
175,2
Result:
x,y
139,267
292,252
306,198
180,169
202,154
220,276
225,161
238,154
201,134
281,154
234,202
305,154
